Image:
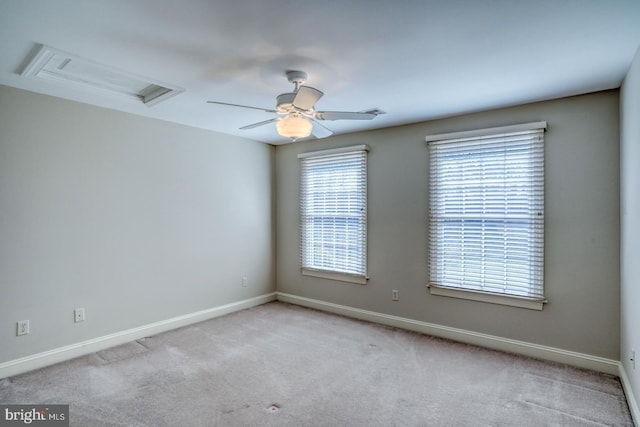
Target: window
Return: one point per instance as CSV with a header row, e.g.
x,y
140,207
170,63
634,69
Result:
x,y
333,213
486,215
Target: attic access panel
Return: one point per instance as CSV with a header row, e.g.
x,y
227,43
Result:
x,y
55,65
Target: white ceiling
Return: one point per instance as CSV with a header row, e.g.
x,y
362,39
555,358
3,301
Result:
x,y
414,59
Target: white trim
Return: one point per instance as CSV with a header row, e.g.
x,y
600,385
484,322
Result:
x,y
487,131
537,351
61,354
513,301
628,391
332,151
342,277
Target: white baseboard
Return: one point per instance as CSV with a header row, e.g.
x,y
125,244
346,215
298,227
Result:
x,y
56,355
631,399
580,360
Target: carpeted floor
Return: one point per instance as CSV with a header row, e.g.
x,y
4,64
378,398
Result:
x,y
283,365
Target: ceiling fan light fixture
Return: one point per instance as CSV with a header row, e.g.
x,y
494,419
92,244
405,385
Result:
x,y
293,126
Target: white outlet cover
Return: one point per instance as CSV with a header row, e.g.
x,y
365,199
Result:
x,y
22,327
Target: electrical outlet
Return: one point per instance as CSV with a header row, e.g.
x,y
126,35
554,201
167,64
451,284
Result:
x,y
244,281
78,315
394,295
22,327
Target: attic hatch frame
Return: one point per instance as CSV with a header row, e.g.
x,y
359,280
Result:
x,y
51,64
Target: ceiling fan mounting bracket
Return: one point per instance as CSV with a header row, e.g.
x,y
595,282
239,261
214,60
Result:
x,y
296,77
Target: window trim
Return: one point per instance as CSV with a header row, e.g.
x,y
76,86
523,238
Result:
x,y
331,151
331,274
487,131
473,295
534,303
335,275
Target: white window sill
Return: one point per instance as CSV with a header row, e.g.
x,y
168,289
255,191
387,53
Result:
x,y
334,275
522,302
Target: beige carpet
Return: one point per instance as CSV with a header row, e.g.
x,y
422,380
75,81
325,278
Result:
x,y
283,365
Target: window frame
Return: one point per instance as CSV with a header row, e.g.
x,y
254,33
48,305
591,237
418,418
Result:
x,y
307,267
458,290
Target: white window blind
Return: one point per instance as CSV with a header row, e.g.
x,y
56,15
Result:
x,y
333,211
486,209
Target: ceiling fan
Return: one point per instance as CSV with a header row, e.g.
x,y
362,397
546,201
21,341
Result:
x,y
297,117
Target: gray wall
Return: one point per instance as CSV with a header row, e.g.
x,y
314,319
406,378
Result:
x,y
136,220
139,220
630,224
582,227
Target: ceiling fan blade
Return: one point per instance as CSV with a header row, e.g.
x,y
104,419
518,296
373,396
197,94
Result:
x,y
343,115
306,97
319,130
242,106
255,125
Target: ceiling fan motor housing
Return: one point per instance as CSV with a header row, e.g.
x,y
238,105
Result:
x,y
284,102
